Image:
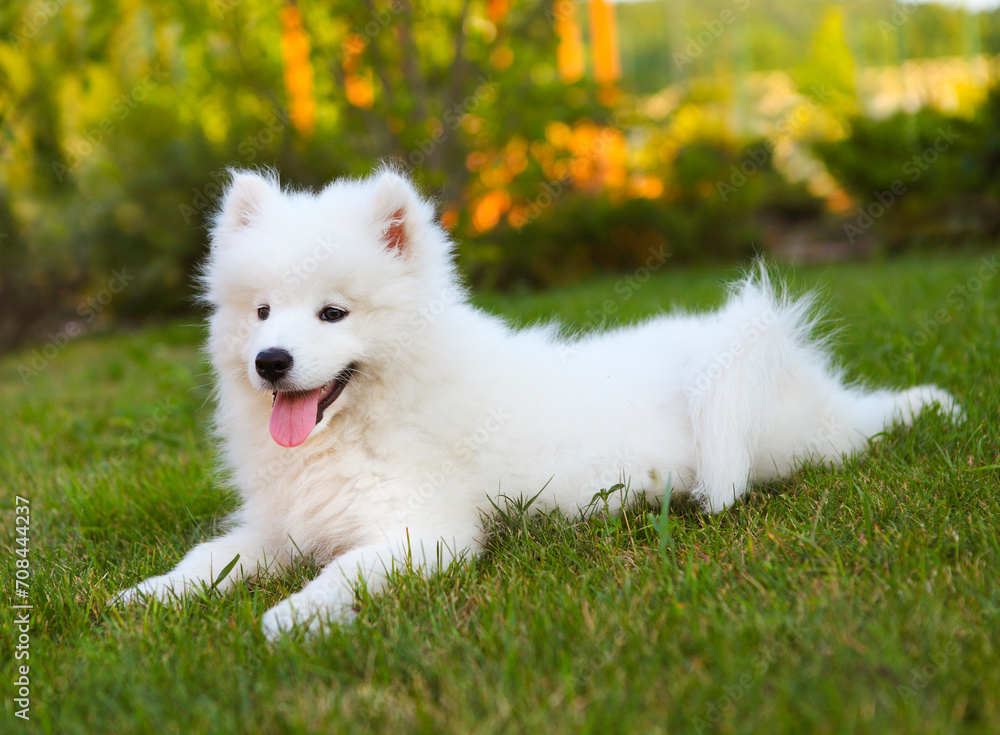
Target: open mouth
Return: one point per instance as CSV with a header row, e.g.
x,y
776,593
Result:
x,y
295,413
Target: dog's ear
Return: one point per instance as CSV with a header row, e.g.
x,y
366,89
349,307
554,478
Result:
x,y
400,212
245,197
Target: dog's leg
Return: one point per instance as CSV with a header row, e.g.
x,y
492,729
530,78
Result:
x,y
732,399
727,429
202,566
329,598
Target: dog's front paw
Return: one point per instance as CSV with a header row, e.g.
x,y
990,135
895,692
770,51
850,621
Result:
x,y
308,612
165,588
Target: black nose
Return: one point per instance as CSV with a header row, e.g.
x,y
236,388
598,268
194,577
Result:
x,y
273,363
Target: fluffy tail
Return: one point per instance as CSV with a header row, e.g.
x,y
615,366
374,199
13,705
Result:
x,y
764,395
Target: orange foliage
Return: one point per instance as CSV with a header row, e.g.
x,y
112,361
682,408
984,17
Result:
x,y
597,156
517,216
839,201
515,156
645,186
476,160
502,57
359,89
569,53
486,211
496,10
354,44
358,86
589,157
558,134
604,40
298,71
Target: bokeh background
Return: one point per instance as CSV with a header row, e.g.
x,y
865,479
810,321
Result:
x,y
561,138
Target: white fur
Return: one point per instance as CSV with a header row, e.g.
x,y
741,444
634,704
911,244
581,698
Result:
x,y
451,408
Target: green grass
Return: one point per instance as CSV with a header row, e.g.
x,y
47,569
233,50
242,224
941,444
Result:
x,y
859,600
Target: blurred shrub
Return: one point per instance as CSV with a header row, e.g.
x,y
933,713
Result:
x,y
923,178
712,195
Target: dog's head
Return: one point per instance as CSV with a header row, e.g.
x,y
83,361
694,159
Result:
x,y
312,292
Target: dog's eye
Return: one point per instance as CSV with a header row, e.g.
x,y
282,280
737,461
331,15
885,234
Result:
x,y
332,314
263,312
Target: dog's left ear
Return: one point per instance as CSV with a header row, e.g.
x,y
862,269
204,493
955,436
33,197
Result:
x,y
246,196
400,212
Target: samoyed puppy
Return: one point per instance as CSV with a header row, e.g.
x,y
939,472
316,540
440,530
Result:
x,y
369,415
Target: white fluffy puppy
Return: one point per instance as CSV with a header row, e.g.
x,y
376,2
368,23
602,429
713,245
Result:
x,y
369,415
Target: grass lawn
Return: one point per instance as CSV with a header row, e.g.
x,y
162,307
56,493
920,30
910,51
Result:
x,y
864,600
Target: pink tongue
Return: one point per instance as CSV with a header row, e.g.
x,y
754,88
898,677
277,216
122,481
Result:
x,y
293,417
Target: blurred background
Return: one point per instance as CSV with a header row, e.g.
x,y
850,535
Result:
x,y
561,138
